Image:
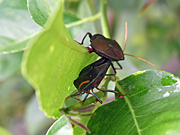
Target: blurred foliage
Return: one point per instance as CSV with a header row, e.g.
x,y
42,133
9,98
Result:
x,y
4,131
17,27
153,35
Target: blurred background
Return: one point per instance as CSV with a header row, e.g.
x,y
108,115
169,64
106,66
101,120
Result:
x,y
153,34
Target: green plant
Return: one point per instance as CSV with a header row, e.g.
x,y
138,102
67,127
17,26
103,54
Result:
x,y
52,60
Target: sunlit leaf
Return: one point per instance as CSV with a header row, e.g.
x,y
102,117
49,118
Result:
x,y
53,63
150,107
40,10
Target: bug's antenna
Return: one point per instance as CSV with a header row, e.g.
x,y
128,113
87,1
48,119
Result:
x,y
126,32
90,36
140,59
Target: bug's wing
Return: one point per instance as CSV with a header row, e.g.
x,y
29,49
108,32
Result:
x,y
85,70
90,67
81,82
108,48
98,73
88,73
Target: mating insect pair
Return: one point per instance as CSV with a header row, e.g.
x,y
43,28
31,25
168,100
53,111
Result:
x,y
91,76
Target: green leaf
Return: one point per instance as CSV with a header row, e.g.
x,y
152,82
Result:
x,y
60,127
53,63
151,106
3,131
40,10
16,27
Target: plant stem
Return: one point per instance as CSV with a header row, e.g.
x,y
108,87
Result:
x,y
84,20
104,22
106,33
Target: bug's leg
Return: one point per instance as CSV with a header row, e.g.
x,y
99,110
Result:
x,y
120,96
96,97
76,99
88,33
117,92
118,65
79,98
113,69
95,101
86,95
75,94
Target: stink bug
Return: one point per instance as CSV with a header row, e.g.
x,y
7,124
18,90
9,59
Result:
x,y
104,47
90,77
108,48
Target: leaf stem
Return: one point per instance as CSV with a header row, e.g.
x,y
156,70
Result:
x,y
106,33
104,22
84,20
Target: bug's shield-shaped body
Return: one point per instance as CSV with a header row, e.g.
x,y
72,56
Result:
x,y
107,48
91,76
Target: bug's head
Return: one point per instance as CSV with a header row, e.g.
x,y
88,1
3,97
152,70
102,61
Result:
x,y
92,38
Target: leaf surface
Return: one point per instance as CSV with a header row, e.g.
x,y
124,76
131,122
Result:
x,y
53,63
150,107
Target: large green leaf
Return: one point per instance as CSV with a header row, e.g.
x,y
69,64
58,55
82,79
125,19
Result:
x,y
16,26
53,63
151,106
